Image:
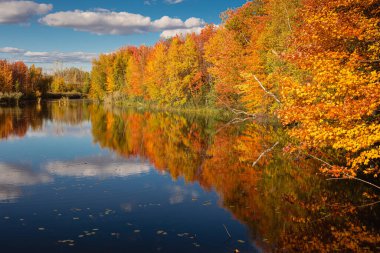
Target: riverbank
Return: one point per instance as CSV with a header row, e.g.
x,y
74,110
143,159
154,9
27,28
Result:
x,y
209,111
14,98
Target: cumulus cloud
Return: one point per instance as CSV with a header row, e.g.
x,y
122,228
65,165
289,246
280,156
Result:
x,y
48,57
51,57
13,12
174,1
11,50
175,32
110,22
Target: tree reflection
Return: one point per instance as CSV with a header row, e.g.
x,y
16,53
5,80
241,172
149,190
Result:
x,y
282,199
16,121
287,206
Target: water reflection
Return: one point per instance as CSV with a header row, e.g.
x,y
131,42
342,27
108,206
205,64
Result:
x,y
15,122
281,199
13,176
287,206
98,166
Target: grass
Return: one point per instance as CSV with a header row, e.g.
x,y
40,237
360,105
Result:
x,y
58,95
188,109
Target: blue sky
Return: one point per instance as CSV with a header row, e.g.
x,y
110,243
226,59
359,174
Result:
x,y
73,32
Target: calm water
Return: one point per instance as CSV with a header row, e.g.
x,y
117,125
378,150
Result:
x,y
85,178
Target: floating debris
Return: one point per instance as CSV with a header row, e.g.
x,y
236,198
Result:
x,y
196,244
117,235
69,241
241,241
207,203
161,232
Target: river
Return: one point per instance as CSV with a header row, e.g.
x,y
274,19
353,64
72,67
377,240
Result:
x,y
83,177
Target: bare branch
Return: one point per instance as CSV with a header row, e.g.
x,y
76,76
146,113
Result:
x,y
266,91
234,121
288,19
228,233
370,61
319,159
263,153
354,178
345,174
236,111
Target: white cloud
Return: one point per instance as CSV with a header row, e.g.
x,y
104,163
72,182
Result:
x,y
13,12
48,57
149,2
11,50
109,22
174,1
175,32
51,57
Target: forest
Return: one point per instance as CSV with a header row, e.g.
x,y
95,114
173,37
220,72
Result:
x,y
18,81
313,64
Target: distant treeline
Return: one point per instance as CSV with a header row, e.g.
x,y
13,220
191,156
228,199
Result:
x,y
17,80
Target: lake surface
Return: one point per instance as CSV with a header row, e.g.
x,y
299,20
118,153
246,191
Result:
x,y
88,178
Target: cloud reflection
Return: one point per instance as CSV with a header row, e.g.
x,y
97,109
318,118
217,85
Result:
x,y
19,175
99,166
13,176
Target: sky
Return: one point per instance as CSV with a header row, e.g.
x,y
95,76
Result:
x,y
61,33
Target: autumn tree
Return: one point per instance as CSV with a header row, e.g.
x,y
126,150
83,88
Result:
x,y
6,80
336,103
20,76
98,77
156,72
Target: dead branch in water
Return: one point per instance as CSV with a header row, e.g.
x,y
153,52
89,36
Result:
x,y
345,174
263,153
236,111
228,233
